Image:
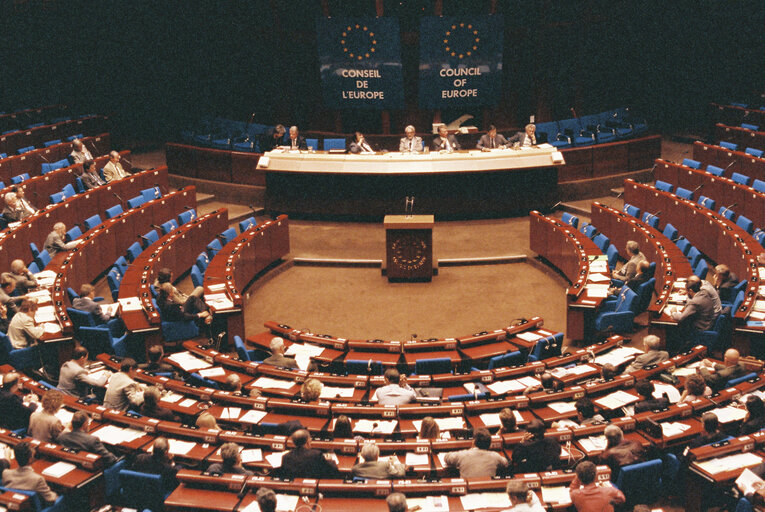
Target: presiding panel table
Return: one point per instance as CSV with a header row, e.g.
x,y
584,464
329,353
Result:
x,y
460,184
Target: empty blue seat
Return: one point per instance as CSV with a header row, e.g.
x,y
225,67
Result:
x,y
149,194
33,267
693,164
589,230
754,152
197,279
727,212
739,178
684,193
651,220
713,169
121,264
670,231
56,198
241,350
214,248
729,145
114,278
745,224
52,166
571,220
43,259
135,202
312,144
202,261
187,216
631,210
75,136
707,202
694,255
133,251
433,366
114,211
602,241
759,186
73,234
227,236
684,245
142,490
51,143
79,185
613,256
27,149
618,315
330,144
663,185
752,127
149,238
641,482
168,226
701,269
21,177
68,190
247,223
91,222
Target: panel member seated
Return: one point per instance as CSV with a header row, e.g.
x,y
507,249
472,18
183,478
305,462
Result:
x,y
296,141
273,139
444,141
526,138
360,145
55,244
491,140
25,280
411,143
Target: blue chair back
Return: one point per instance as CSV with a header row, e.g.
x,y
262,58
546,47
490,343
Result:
x,y
433,366
729,145
701,269
112,480
631,210
312,144
247,224
589,230
759,185
214,248
133,252
228,235
149,238
707,202
739,178
670,231
56,198
122,264
571,220
613,256
334,144
693,164
141,490
641,482
713,169
34,249
651,220
745,224
684,193
51,143
739,380
663,185
114,278
359,367
43,259
68,190
202,261
168,226
748,126
197,279
754,152
52,166
694,255
73,234
79,185
241,350
33,267
186,216
135,202
26,149
92,222
602,241
151,193
645,292
727,212
114,211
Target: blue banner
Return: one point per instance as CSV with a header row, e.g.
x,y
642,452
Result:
x,y
460,61
360,62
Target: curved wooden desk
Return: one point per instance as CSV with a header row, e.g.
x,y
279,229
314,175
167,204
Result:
x,y
731,161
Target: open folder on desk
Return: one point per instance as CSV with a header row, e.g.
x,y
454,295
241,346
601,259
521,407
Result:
x,y
188,362
130,303
58,469
45,314
429,504
478,500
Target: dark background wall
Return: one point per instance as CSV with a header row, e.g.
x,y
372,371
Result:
x,y
157,66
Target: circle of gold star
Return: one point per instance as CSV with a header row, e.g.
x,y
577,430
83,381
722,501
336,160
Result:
x,y
471,32
371,40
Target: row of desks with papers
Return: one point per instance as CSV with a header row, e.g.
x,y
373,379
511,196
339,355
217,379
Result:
x,y
219,493
583,264
240,261
671,263
40,186
749,202
732,161
176,251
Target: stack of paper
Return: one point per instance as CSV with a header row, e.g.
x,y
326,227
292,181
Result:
x,y
729,463
111,434
729,414
231,413
598,278
417,459
269,383
490,419
671,391
178,447
52,327
475,501
219,301
189,402
376,426
171,398
46,278
275,459
58,469
188,361
599,266
251,455
45,314
529,336
501,387
429,504
748,482
336,392
40,296
616,400
253,417
597,290
562,407
555,495
593,443
130,303
617,356
670,428
110,309
215,371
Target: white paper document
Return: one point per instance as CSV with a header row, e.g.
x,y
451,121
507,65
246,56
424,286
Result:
x,y
231,413
747,482
45,314
336,392
672,393
417,459
219,301
51,327
729,414
529,336
188,361
171,398
616,399
593,443
474,501
597,277
275,459
178,447
490,419
729,463
253,417
429,503
555,494
251,455
269,383
189,402
58,469
111,434
562,407
617,356
378,426
215,371
130,303
671,428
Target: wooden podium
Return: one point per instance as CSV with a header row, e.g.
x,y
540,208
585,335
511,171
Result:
x,y
409,248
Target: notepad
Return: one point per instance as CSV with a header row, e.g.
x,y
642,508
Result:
x,y
617,356
189,362
378,426
597,277
490,419
51,327
729,414
178,447
562,407
251,455
670,428
216,371
729,463
218,287
593,443
130,303
616,400
474,501
58,469
555,494
189,402
45,314
268,382
171,398
417,459
253,417
747,480
429,503
336,392
528,336
230,413
275,459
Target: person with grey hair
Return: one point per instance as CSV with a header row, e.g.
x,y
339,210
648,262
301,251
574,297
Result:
x,y
80,153
13,212
277,357
55,244
619,451
273,139
652,354
411,143
232,461
526,138
396,502
113,169
372,468
24,205
266,499
25,280
522,499
296,141
629,269
698,315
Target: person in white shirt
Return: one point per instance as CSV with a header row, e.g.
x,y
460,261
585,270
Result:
x,y
23,331
522,498
360,145
396,391
80,153
113,169
444,141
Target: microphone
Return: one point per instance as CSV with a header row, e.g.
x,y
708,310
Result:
x,y
243,490
727,209
556,205
118,197
41,156
654,214
698,188
144,238
729,166
155,226
652,169
85,143
254,210
188,208
573,111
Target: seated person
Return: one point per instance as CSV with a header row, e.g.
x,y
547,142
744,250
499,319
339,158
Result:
x,y
80,153
24,204
74,379
154,365
158,462
711,432
410,143
25,280
491,140
232,384
444,141
273,139
588,495
652,354
396,502
608,372
43,423
11,303
343,428
296,141
394,392
699,313
640,277
23,331
13,211
232,461
87,302
194,308
122,392
755,416
207,420
629,269
508,422
645,389
725,282
478,461
152,408
717,375
429,429
24,477
522,499
547,383
536,452
54,242
4,320
585,415
311,390
79,439
113,169
305,462
266,499
90,177
695,388
372,468
619,451
277,357
360,145
16,412
526,138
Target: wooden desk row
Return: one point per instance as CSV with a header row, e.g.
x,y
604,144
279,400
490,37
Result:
x,y
214,164
742,199
20,118
240,261
603,160
14,242
731,161
31,162
36,137
177,251
572,253
733,115
744,137
671,263
38,189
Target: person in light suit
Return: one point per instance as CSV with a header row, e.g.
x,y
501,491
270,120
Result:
x,y
113,169
123,392
527,137
74,379
411,143
360,145
444,141
80,153
652,354
24,477
54,242
491,140
86,302
277,357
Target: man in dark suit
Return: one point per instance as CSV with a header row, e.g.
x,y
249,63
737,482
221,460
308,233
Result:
x,y
75,380
154,365
619,451
277,357
15,413
158,462
528,137
305,462
491,140
90,177
296,141
25,280
698,315
86,302
444,141
536,452
360,145
80,440
273,139
717,375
